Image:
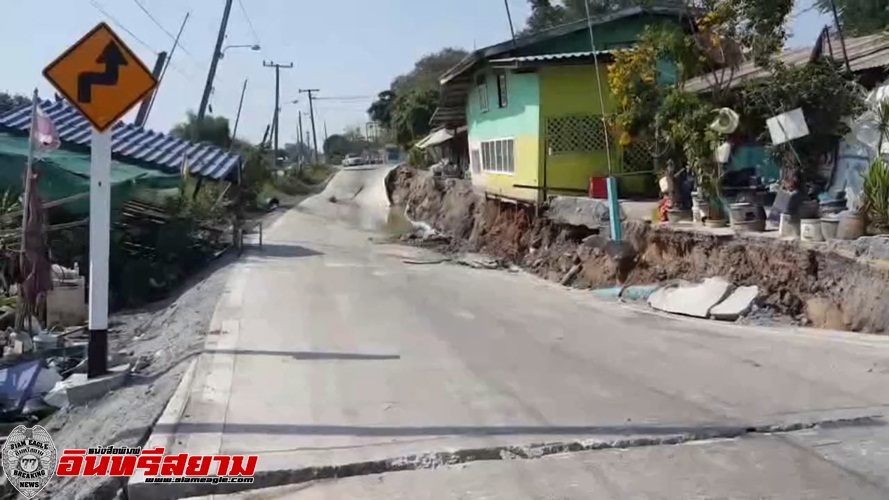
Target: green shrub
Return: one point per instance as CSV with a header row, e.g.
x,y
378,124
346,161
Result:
x,y
875,195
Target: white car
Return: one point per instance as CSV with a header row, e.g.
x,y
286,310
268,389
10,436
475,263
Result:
x,y
351,161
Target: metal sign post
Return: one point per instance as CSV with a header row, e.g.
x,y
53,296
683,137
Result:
x,y
101,77
100,244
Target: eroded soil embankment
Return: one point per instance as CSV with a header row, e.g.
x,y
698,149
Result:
x,y
830,290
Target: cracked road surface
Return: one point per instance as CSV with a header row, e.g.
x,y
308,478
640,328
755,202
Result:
x,y
333,358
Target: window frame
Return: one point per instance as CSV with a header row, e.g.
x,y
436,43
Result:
x,y
481,85
498,156
502,89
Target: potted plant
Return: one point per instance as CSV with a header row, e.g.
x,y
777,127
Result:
x,y
873,207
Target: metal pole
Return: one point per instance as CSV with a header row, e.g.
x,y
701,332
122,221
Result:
x,y
205,99
240,105
166,66
613,203
26,203
100,238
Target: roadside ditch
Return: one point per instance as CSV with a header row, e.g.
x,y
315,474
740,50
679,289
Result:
x,y
825,286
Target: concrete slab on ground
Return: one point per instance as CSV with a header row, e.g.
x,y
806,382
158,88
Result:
x,y
691,299
736,304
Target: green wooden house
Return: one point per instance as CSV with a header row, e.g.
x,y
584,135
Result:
x,y
533,110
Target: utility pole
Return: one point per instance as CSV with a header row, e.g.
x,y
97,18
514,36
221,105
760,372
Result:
x,y
325,131
277,67
160,79
299,133
312,118
142,115
238,116
217,52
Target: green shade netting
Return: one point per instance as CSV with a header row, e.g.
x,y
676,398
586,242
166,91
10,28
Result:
x,y
66,173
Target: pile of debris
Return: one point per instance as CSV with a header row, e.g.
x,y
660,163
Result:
x,y
42,371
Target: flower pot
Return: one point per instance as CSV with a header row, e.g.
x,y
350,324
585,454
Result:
x,y
829,226
851,226
715,223
742,212
678,215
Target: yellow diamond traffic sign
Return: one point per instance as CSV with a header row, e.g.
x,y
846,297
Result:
x,y
101,77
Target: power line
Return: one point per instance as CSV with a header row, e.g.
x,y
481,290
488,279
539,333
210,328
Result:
x,y
121,26
141,42
346,98
161,26
250,23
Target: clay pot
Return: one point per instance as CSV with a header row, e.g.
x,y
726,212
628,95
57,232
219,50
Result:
x,y
851,226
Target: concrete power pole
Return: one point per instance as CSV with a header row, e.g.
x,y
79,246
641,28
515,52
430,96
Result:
x,y
240,106
299,133
312,118
217,52
277,67
142,115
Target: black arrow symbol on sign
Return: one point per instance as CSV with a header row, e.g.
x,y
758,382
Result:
x,y
113,59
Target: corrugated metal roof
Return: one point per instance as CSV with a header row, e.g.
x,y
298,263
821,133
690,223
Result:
x,y
130,143
550,57
864,52
678,9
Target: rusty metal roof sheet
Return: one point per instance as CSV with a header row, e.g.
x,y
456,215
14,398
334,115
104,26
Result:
x,y
864,53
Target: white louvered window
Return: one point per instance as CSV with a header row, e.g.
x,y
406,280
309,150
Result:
x,y
498,156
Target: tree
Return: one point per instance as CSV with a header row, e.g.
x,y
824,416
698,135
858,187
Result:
x,y
428,70
337,146
544,15
547,14
859,17
381,109
212,129
9,102
298,151
408,105
412,114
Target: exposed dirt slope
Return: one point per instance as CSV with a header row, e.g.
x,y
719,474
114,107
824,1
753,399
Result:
x,y
825,288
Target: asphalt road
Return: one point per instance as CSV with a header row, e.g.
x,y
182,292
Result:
x,y
333,357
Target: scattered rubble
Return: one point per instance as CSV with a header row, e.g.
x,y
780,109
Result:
x,y
788,274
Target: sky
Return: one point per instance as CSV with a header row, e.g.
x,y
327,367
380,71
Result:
x,y
345,48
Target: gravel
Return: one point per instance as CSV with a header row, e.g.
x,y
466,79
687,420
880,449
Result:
x,y
161,339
